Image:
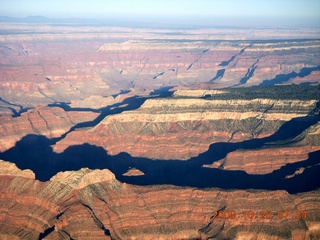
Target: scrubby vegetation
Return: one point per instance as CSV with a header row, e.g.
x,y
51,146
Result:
x,y
299,92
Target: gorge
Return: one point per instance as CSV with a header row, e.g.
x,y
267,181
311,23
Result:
x,y
122,133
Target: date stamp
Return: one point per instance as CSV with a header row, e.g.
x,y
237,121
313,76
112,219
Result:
x,y
261,214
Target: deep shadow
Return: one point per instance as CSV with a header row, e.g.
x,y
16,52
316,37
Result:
x,y
15,113
34,152
162,92
218,76
249,74
46,233
226,63
282,78
128,104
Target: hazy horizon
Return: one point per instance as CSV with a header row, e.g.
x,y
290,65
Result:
x,y
290,13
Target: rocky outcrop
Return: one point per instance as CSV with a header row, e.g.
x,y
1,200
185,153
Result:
x,y
266,160
133,172
93,102
92,204
181,128
51,122
82,178
10,169
263,161
97,102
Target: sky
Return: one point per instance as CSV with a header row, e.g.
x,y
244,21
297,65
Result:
x,y
290,11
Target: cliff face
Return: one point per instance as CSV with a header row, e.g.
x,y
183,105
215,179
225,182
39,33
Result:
x,y
181,128
223,63
92,204
114,156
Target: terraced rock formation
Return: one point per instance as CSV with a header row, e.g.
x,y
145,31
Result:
x,y
50,122
95,146
183,127
51,63
92,204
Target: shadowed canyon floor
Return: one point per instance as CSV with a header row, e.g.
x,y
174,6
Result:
x,y
35,153
66,169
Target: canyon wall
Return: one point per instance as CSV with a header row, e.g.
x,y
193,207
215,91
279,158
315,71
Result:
x,y
181,128
60,64
92,204
50,122
121,133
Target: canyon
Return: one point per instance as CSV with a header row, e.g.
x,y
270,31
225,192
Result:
x,y
49,63
130,133
92,204
181,128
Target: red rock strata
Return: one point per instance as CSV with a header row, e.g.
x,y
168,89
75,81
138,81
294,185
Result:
x,y
51,122
92,204
181,128
70,63
262,161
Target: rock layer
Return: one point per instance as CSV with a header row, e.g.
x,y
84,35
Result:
x,y
266,160
50,122
71,63
181,128
83,69
104,208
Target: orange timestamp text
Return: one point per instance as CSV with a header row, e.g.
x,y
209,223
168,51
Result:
x,y
261,214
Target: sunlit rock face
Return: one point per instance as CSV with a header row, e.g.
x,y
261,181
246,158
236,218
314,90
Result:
x,y
92,204
119,133
50,122
181,128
